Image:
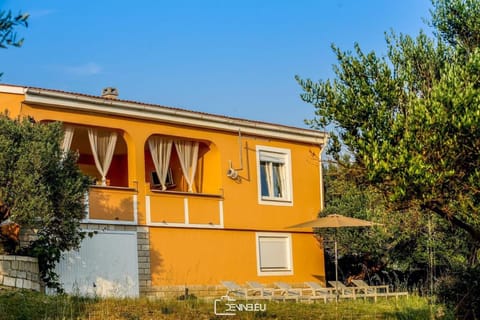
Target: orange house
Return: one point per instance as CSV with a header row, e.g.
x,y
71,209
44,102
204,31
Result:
x,y
183,199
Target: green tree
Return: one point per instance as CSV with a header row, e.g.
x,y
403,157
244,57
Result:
x,y
8,23
456,23
41,190
408,249
410,119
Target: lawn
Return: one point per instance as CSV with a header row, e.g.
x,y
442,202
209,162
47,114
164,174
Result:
x,y
21,305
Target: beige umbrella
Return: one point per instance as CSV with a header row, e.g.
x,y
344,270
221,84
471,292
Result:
x,y
335,221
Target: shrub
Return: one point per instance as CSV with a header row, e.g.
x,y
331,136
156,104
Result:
x,y
461,292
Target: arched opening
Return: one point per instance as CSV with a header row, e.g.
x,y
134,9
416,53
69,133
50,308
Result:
x,y
187,165
89,143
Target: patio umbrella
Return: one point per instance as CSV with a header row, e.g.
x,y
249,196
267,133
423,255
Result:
x,y
335,221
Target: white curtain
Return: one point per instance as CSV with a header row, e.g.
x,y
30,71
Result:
x,y
160,150
67,138
279,176
269,178
103,147
188,155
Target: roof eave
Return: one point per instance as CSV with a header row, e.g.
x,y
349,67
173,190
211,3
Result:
x,y
6,88
171,115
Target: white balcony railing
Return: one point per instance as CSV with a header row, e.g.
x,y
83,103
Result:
x,y
181,209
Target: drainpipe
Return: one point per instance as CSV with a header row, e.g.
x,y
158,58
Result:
x,y
320,168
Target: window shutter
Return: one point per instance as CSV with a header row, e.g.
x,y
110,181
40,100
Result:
x,y
271,157
273,253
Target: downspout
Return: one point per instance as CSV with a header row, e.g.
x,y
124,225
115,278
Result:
x,y
322,205
320,168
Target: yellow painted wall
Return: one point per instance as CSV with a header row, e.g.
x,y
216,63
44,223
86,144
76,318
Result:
x,y
200,256
111,204
12,103
241,198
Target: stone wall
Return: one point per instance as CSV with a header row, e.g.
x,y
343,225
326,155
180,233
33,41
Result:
x,y
19,272
143,251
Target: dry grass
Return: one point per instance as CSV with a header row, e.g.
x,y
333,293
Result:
x,y
21,305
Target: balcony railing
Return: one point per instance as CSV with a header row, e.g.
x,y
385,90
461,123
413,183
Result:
x,y
112,205
183,209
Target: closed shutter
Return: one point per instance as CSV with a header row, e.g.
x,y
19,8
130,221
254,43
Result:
x,y
274,253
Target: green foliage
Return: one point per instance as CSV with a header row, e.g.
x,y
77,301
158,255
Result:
x,y
41,189
8,22
455,23
344,196
410,119
408,249
461,292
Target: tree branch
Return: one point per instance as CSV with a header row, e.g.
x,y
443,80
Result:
x,y
437,208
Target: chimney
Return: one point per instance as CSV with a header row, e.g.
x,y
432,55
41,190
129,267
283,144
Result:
x,y
110,93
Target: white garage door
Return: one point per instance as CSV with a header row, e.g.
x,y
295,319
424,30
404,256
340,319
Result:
x,y
105,266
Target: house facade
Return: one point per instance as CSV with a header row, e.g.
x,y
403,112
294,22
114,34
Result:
x,y
183,199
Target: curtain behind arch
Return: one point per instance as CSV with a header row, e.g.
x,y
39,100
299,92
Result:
x,y
68,132
188,155
102,144
160,150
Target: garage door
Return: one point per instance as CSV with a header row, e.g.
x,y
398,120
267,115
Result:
x,y
105,266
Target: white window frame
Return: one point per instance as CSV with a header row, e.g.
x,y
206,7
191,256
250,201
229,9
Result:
x,y
284,157
280,237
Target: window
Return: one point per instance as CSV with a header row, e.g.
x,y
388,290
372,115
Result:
x,y
274,176
274,254
155,181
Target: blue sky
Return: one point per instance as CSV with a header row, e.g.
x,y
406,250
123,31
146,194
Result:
x,y
233,58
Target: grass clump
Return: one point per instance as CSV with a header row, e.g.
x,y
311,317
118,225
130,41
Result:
x,y
20,305
26,305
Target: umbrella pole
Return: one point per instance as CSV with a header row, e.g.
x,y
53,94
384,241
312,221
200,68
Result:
x,y
336,270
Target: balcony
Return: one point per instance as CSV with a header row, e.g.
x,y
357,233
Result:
x,y
184,209
113,205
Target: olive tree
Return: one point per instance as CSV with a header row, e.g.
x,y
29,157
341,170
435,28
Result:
x,y
41,191
410,119
8,23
